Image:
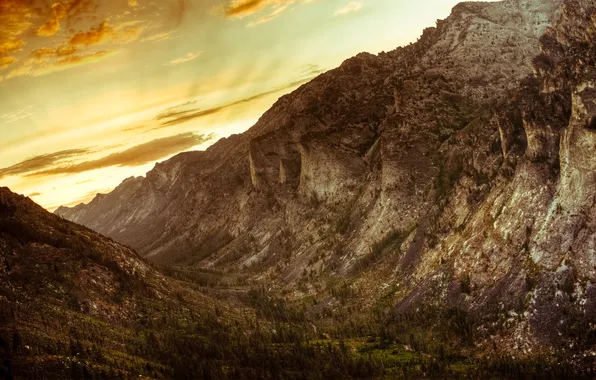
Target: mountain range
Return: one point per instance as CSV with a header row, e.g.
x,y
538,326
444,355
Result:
x,y
449,182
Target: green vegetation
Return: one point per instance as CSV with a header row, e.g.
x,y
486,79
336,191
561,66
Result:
x,y
176,342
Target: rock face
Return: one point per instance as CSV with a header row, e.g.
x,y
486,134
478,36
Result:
x,y
459,169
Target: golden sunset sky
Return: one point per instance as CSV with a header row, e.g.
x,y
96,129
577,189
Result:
x,y
95,91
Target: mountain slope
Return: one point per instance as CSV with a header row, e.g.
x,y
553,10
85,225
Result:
x,y
76,304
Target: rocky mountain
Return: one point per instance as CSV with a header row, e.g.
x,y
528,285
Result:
x,y
453,172
367,135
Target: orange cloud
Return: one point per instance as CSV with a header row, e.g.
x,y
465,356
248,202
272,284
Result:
x,y
9,47
43,54
50,28
82,59
46,64
60,11
93,36
47,60
157,37
14,21
104,31
263,19
128,35
16,26
244,8
7,61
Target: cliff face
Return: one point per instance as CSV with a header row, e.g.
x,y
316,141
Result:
x,y
523,246
457,170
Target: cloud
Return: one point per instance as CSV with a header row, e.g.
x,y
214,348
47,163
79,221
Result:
x,y
46,62
14,21
244,8
35,194
158,37
354,6
44,54
50,28
177,110
312,70
136,128
263,19
189,57
138,155
122,34
93,36
7,61
179,9
83,59
9,47
41,162
17,115
21,21
74,51
178,115
128,35
61,10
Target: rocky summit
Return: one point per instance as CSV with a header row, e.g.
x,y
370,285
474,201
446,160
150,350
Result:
x,y
452,177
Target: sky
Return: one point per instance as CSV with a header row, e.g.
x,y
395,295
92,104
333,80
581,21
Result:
x,y
95,91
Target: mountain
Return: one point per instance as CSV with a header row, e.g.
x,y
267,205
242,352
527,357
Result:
x,y
337,140
75,304
455,173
